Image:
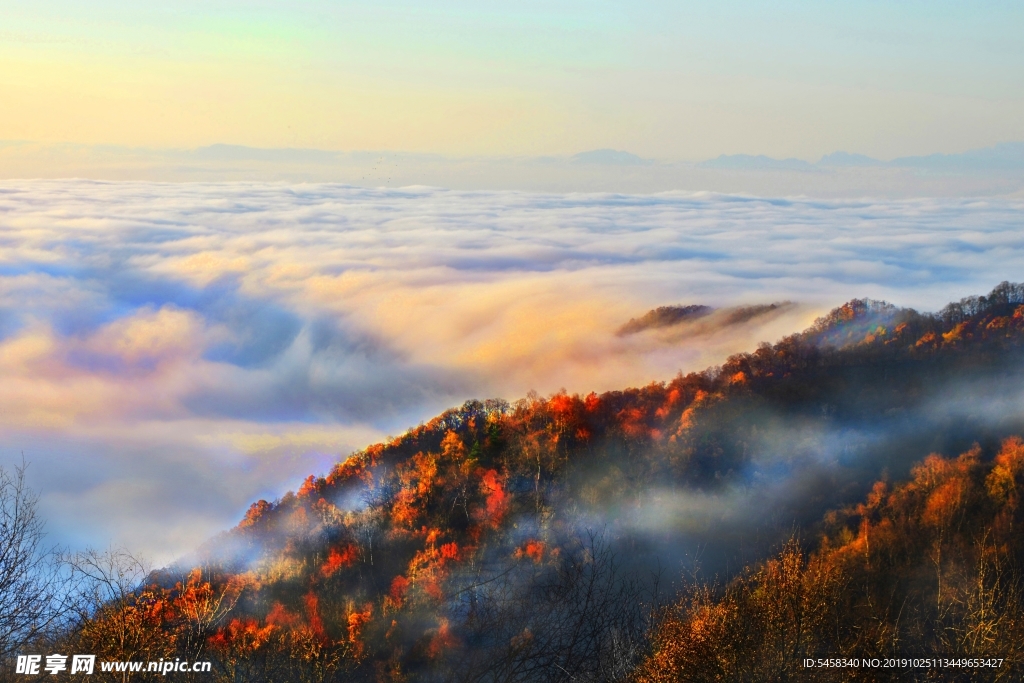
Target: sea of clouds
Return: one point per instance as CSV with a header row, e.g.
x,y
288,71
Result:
x,y
171,352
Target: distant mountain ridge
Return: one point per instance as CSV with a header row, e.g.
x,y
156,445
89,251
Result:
x,y
760,162
610,157
716,318
1007,156
664,316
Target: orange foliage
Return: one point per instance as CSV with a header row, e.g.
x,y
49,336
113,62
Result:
x,y
417,478
132,627
242,636
631,420
327,512
316,624
846,313
700,400
255,513
943,503
399,586
337,559
426,568
956,334
201,604
874,499
356,622
311,485
280,616
563,406
432,588
685,421
375,452
354,468
442,641
1004,481
406,509
670,402
452,447
682,644
423,472
496,498
532,549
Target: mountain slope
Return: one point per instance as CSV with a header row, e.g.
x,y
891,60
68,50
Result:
x,y
523,541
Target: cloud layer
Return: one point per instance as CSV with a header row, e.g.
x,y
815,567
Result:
x,y
171,352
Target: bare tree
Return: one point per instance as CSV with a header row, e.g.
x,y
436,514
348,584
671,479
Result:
x,y
33,585
114,609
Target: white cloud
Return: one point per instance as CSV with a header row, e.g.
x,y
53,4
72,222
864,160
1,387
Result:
x,y
196,346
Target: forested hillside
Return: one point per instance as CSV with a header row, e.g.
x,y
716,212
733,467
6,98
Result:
x,y
926,568
549,539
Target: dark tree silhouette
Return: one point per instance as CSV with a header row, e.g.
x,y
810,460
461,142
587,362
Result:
x,y
33,586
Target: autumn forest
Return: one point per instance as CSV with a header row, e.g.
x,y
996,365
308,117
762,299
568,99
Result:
x,y
854,490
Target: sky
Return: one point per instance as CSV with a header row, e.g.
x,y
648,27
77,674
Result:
x,y
171,352
664,80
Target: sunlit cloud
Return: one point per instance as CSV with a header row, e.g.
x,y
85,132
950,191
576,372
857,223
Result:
x,y
172,352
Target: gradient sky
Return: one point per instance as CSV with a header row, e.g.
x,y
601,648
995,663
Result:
x,y
667,80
